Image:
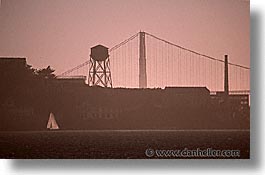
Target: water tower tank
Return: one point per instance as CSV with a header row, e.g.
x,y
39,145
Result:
x,y
99,53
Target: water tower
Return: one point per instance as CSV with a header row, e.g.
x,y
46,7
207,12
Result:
x,y
99,67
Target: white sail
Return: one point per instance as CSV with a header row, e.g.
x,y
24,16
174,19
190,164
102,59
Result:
x,y
52,124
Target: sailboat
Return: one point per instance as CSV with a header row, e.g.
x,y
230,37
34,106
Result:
x,y
52,124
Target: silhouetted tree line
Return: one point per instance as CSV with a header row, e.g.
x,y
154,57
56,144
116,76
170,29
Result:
x,y
45,73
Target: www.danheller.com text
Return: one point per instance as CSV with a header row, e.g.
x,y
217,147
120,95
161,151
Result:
x,y
191,153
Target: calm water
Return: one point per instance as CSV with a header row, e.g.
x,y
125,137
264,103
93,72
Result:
x,y
116,144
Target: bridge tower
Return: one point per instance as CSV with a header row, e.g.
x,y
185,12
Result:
x,y
142,62
99,73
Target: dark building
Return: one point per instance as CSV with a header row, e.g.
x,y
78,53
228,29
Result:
x,y
70,81
79,106
11,66
10,62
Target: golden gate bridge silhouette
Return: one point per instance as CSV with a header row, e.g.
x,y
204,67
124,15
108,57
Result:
x,y
147,61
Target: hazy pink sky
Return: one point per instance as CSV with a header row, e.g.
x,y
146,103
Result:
x,y
60,32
